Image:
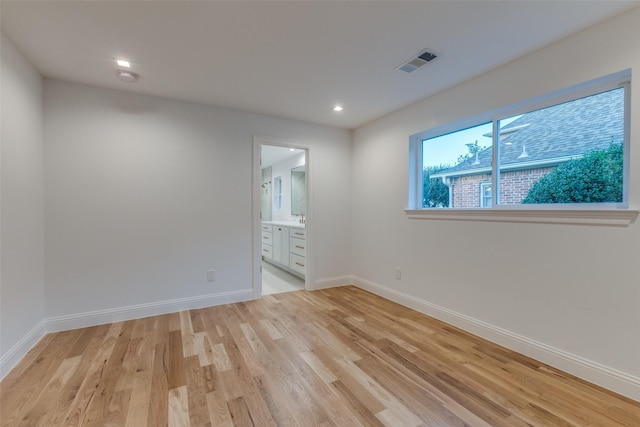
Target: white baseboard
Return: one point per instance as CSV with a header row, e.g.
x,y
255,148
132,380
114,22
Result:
x,y
612,379
331,282
10,359
119,314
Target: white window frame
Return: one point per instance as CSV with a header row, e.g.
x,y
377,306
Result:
x,y
483,186
612,214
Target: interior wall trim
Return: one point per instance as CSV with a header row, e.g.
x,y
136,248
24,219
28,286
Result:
x,y
10,359
596,373
332,282
138,311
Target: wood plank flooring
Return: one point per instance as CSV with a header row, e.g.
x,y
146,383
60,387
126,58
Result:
x,y
337,357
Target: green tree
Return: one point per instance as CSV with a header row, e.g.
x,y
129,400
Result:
x,y
472,148
435,192
594,178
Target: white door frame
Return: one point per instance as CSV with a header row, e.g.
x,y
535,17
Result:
x,y
256,276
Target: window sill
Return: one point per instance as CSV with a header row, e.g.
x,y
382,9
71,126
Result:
x,y
602,217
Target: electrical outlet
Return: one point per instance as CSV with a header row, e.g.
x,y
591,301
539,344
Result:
x,y
211,276
398,274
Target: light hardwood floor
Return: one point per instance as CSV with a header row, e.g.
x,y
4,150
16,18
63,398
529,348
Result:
x,y
337,357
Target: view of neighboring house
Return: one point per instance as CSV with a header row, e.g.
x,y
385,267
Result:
x,y
533,145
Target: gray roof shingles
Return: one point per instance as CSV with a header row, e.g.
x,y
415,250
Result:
x,y
555,133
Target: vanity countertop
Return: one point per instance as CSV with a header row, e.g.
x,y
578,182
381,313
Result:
x,y
291,224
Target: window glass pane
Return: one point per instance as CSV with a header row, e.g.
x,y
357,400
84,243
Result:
x,y
454,165
485,195
277,193
567,153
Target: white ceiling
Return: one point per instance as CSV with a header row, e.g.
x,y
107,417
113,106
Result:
x,y
289,59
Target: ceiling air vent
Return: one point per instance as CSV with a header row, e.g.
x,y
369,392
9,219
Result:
x,y
416,62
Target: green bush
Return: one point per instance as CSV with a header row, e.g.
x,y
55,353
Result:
x,y
435,193
594,178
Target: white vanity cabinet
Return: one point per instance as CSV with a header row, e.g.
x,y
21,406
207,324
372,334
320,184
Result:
x,y
267,241
298,250
285,246
281,244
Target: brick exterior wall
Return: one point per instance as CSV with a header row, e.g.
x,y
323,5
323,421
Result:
x,y
466,190
514,187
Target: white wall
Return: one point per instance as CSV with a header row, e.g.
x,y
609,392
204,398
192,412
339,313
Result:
x,y
22,232
283,170
144,195
574,290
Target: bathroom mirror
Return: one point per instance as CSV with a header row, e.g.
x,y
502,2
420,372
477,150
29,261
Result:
x,y
298,191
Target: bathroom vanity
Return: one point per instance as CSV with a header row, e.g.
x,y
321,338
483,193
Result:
x,y
284,244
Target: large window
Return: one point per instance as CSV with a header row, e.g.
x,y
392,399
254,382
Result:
x,y
561,151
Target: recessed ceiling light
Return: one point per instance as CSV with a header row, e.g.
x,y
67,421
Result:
x,y
123,63
292,149
338,108
127,76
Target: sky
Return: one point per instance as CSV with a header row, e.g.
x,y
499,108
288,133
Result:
x,y
446,149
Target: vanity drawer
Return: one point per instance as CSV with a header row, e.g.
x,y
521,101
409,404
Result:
x,y
298,233
267,238
298,246
267,251
268,228
297,263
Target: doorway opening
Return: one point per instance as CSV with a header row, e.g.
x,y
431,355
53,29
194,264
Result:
x,y
283,205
